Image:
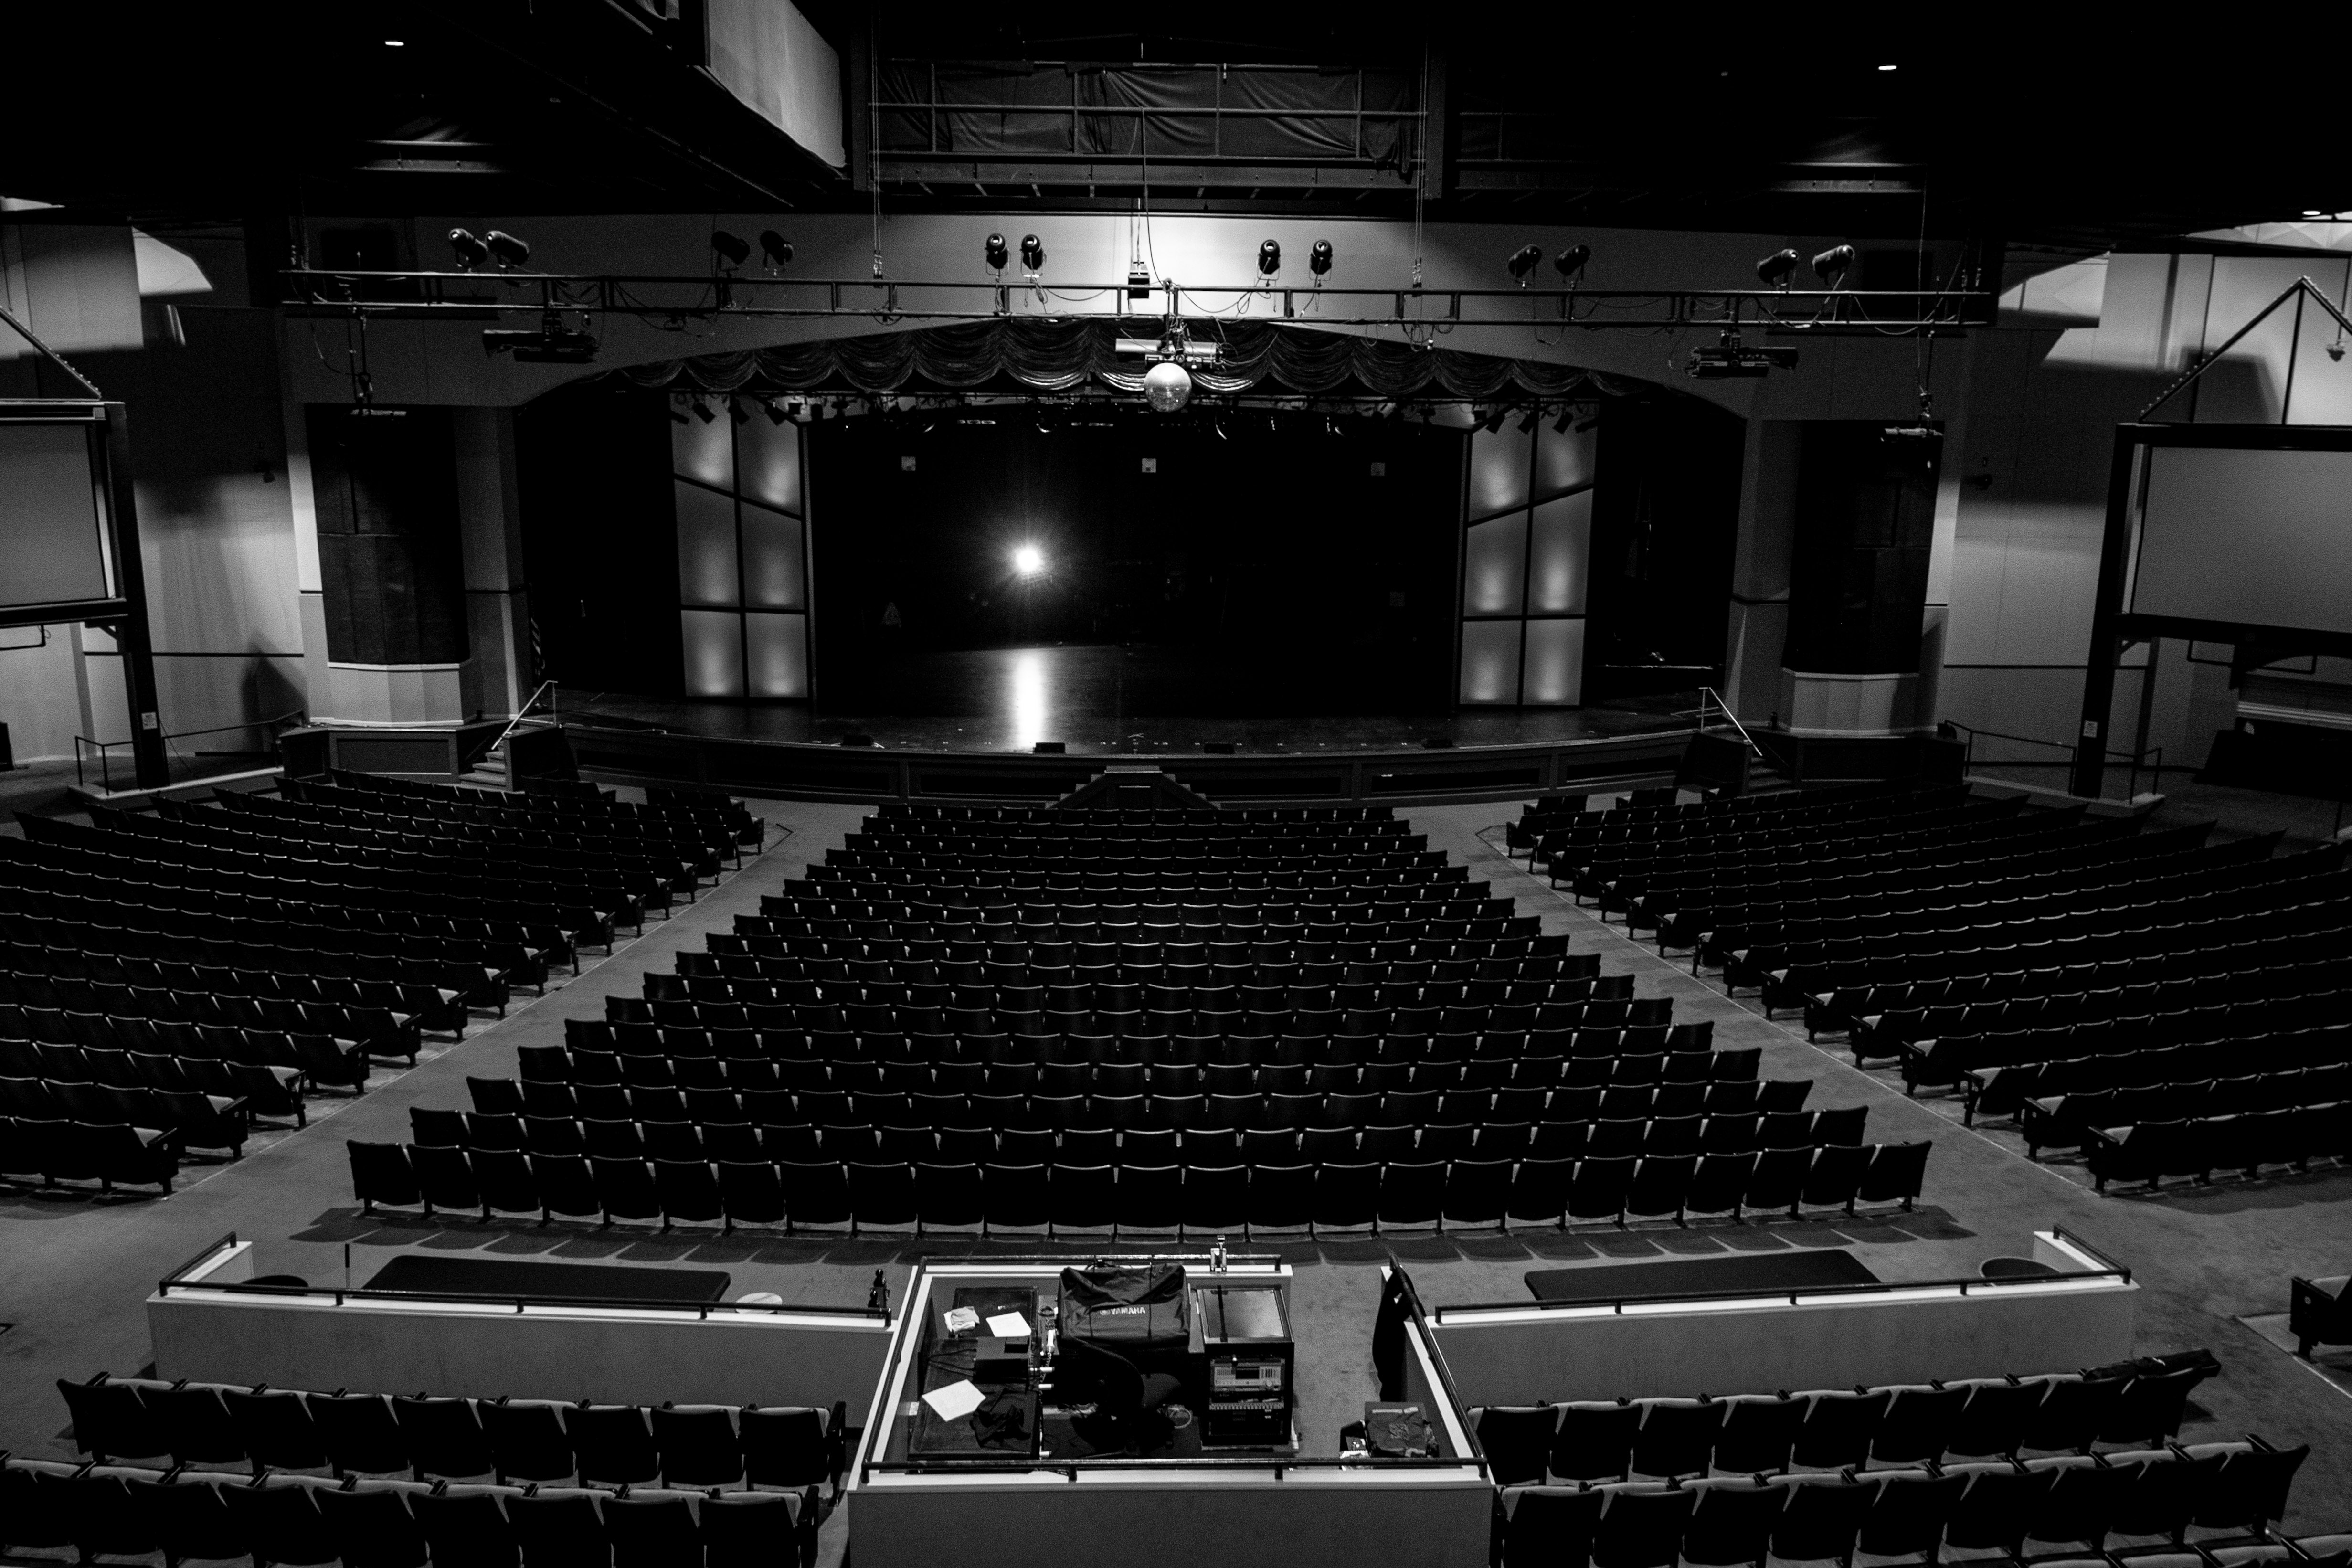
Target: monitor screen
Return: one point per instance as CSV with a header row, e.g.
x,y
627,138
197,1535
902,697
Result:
x,y
2245,536
51,545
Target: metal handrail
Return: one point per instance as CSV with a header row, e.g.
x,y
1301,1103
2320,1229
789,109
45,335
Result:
x,y
524,713
1699,713
1964,1284
105,749
2135,759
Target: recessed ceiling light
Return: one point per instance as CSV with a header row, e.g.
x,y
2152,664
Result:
x,y
395,43
2313,212
1886,67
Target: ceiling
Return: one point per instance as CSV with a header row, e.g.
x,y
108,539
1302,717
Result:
x,y
1992,130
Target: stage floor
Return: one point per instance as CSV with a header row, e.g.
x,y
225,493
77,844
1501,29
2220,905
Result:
x,y
1008,699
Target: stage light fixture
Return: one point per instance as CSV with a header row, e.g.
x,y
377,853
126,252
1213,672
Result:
x,y
470,252
1776,269
1533,417
728,248
1494,417
703,411
1319,258
775,250
996,252
1269,258
1833,262
1567,413
1033,253
737,412
1523,262
775,411
676,415
1028,560
1572,261
505,249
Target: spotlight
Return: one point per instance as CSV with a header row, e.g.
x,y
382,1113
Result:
x,y
471,252
1533,417
676,415
1269,258
1319,258
737,412
1523,261
996,252
1777,268
1033,253
1832,263
775,411
505,249
730,249
1572,261
1494,417
1567,413
1028,560
775,250
702,411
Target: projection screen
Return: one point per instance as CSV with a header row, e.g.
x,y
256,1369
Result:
x,y
52,547
2246,536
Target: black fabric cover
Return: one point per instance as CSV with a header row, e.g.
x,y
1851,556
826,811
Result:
x,y
1388,1334
1128,1308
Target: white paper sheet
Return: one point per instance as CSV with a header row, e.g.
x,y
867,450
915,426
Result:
x,y
962,1320
956,1399
1009,1326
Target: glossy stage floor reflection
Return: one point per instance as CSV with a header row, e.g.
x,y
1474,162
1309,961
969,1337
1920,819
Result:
x,y
1011,699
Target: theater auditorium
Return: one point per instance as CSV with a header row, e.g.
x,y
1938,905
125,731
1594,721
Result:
x,y
786,782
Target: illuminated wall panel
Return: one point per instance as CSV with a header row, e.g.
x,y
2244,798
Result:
x,y
767,459
1499,470
706,546
714,652
1558,558
743,554
1490,661
775,655
1554,673
1526,558
773,577
704,449
1494,564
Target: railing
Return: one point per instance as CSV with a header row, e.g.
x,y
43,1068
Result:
x,y
546,689
2137,761
84,746
1710,700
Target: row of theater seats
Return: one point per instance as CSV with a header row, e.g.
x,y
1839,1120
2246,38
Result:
x,y
2008,1509
909,1137
453,1438
57,1150
2104,1062
187,1118
566,802
1613,869
623,839
126,1511
2070,1120
2314,1016
2198,1146
382,1031
268,1069
1198,1199
1653,811
1840,1428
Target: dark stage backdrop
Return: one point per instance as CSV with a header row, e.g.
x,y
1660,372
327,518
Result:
x,y
1289,565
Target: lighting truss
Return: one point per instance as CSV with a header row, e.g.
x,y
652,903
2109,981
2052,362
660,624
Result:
x,y
671,300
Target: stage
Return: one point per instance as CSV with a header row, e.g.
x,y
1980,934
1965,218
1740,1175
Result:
x,y
1097,699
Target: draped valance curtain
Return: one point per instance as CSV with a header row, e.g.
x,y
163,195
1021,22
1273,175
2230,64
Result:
x,y
1063,355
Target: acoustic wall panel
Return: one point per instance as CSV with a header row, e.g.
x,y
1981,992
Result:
x,y
714,652
706,547
1558,558
1490,661
775,654
1554,671
772,574
704,449
768,462
51,547
1499,470
1494,564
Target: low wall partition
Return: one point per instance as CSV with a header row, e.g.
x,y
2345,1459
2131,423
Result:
x,y
2080,1314
212,1323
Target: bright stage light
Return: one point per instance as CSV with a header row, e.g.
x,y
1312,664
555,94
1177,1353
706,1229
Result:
x,y
1028,560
